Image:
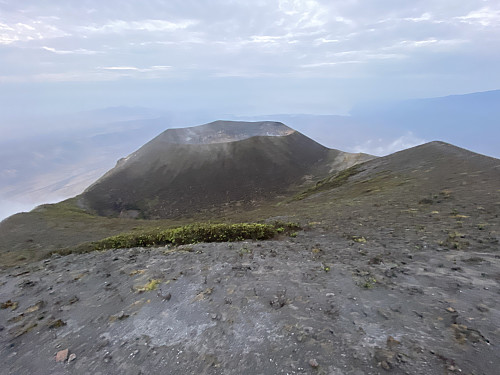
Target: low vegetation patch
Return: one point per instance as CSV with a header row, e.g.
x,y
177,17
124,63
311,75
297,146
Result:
x,y
330,182
150,286
67,210
358,239
455,241
188,234
9,305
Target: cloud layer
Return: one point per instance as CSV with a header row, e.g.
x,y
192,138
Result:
x,y
285,37
410,49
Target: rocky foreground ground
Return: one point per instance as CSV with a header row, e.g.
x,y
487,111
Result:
x,y
318,303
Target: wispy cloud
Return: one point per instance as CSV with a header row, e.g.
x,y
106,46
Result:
x,y
28,31
330,63
153,68
381,147
304,14
149,25
484,17
431,42
79,51
424,17
119,68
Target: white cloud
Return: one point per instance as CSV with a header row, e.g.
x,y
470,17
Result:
x,y
27,31
484,16
150,25
382,147
153,68
424,17
331,63
265,39
79,51
160,67
428,42
303,14
320,41
119,68
354,57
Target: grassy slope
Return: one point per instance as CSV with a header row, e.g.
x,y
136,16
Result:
x,y
33,235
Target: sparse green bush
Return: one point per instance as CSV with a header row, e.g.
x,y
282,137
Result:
x,y
358,239
150,286
194,233
369,283
455,240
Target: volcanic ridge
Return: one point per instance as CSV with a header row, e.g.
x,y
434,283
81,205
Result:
x,y
194,169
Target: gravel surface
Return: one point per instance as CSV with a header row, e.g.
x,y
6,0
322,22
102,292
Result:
x,y
317,303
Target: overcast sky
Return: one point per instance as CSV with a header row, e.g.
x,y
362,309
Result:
x,y
244,57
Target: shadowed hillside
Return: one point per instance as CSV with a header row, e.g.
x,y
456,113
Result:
x,y
184,171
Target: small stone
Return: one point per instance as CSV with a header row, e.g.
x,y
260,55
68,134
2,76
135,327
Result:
x,y
450,309
56,324
384,358
385,365
392,342
215,316
482,307
72,357
62,355
308,330
313,363
166,296
121,315
384,314
103,342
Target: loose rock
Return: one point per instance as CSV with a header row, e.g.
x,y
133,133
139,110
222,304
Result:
x,y
62,355
313,363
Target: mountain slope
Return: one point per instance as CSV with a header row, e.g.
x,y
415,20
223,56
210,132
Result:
x,y
183,171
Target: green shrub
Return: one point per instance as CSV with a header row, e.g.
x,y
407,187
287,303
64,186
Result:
x,y
194,233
